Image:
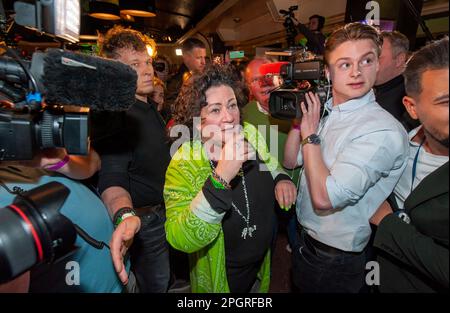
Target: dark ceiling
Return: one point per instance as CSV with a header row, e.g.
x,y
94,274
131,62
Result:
x,y
173,18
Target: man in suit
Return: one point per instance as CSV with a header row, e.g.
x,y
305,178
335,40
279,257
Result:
x,y
413,232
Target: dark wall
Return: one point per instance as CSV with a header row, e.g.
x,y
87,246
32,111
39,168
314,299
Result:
x,y
396,10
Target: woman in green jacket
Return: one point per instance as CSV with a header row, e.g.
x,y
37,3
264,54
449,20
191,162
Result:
x,y
221,187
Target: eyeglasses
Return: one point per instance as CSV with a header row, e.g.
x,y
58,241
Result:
x,y
263,81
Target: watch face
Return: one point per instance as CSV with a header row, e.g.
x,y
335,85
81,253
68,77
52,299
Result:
x,y
314,139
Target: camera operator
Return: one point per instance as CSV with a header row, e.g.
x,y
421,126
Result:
x,y
82,207
313,33
133,171
351,161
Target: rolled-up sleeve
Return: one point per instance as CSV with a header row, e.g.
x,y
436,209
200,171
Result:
x,y
362,163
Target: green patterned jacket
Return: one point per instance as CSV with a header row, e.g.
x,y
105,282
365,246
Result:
x,y
192,226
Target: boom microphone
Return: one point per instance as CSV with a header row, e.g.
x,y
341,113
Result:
x,y
76,79
68,78
65,79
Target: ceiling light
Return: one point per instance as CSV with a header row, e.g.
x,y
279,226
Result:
x,y
178,52
141,8
104,10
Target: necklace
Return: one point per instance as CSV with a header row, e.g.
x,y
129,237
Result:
x,y
248,230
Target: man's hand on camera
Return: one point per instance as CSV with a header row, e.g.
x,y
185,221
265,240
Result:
x,y
311,114
121,240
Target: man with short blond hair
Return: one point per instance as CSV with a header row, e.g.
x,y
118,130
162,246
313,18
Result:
x,y
351,161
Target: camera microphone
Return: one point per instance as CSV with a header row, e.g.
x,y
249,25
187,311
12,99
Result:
x,y
82,80
65,79
68,78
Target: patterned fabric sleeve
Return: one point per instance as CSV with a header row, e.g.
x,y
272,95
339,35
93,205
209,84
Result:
x,y
191,223
257,140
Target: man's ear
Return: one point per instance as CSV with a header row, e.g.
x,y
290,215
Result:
x,y
400,60
327,73
410,106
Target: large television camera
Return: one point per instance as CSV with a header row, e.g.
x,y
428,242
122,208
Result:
x,y
72,84
291,30
33,231
305,72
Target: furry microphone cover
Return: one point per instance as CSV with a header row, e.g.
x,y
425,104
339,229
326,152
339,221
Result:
x,y
102,85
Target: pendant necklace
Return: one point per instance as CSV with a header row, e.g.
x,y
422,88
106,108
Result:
x,y
248,230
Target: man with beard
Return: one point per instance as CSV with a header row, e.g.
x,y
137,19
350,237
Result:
x,y
414,254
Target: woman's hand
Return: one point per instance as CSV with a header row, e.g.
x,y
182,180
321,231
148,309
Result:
x,y
234,153
311,115
121,240
285,193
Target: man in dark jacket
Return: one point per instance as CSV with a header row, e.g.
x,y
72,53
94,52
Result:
x,y
389,85
133,170
194,62
413,240
313,33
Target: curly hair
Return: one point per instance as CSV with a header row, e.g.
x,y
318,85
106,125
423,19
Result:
x,y
119,37
192,98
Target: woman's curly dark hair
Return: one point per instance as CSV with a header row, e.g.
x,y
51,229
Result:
x,y
192,96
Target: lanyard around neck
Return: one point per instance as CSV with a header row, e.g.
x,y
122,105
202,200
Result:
x,y
414,167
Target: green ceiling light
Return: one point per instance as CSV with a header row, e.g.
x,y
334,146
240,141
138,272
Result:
x,y
104,10
141,8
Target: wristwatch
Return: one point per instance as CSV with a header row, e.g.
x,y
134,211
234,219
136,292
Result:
x,y
313,138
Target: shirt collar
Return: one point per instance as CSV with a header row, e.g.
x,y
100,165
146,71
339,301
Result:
x,y
261,109
351,105
412,134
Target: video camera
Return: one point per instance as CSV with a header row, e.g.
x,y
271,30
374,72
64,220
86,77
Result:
x,y
41,233
72,84
291,30
303,74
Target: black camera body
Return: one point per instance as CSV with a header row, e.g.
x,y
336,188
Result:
x,y
291,30
73,84
23,134
27,126
299,78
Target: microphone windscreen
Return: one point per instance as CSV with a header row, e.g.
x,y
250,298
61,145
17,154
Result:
x,y
271,68
98,83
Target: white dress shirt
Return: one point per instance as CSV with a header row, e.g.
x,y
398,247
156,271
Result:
x,y
366,149
426,164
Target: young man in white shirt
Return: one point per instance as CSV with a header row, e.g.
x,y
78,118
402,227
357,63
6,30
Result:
x,y
351,161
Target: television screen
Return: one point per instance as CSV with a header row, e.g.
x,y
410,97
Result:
x,y
62,18
57,17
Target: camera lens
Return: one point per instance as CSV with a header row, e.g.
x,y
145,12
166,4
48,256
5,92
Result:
x,y
33,230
